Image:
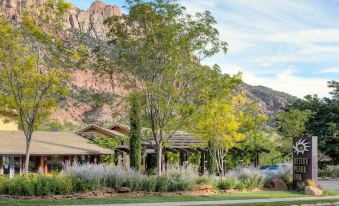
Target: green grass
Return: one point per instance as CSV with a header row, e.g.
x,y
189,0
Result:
x,y
285,203
160,198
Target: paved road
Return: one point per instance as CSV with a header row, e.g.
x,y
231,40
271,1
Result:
x,y
329,184
224,202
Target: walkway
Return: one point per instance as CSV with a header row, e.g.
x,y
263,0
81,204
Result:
x,y
224,202
329,184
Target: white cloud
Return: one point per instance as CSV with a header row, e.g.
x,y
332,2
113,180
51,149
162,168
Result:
x,y
329,70
285,81
268,36
329,35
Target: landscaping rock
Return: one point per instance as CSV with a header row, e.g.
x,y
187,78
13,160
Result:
x,y
314,191
204,187
124,190
109,190
278,184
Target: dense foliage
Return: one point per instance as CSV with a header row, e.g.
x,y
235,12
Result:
x,y
135,133
162,47
324,121
40,185
31,65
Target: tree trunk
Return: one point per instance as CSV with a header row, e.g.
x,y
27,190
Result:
x,y
159,158
27,156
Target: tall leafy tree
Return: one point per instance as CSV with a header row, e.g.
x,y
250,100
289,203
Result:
x,y
324,121
292,123
211,158
135,133
220,122
161,47
30,76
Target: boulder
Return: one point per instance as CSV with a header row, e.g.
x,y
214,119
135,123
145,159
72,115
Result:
x,y
278,184
124,190
314,191
204,187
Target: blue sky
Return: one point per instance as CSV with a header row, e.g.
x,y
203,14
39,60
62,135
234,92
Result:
x,y
287,45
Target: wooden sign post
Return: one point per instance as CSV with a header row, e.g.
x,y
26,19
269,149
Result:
x,y
305,160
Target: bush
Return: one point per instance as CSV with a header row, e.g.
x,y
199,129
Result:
x,y
331,171
205,179
175,179
228,183
37,185
250,177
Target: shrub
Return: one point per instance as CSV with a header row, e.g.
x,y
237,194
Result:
x,y
284,174
205,179
38,185
331,171
175,179
228,183
250,177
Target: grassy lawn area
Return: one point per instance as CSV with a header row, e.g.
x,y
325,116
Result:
x,y
160,198
285,203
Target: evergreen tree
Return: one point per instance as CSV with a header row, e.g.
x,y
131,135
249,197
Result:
x,y
211,158
135,133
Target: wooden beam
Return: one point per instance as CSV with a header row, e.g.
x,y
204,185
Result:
x,y
1,165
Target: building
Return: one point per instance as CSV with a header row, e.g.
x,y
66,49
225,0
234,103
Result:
x,y
49,151
182,143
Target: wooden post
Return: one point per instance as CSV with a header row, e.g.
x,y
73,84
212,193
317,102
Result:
x,y
20,165
202,163
1,165
23,163
45,165
11,167
41,167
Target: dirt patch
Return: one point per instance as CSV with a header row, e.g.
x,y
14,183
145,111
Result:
x,y
109,193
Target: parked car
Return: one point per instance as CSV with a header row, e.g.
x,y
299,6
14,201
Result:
x,y
274,169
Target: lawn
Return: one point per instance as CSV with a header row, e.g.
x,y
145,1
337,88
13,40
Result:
x,y
159,198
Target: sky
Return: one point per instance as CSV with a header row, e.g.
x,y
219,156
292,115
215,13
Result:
x,y
287,45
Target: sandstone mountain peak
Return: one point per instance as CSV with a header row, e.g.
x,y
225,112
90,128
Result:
x,y
90,21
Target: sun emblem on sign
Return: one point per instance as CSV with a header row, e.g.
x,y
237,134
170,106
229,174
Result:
x,y
301,146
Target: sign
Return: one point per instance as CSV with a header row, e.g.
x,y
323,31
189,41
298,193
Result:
x,y
305,159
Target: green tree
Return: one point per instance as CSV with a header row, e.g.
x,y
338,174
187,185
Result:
x,y
31,79
324,121
292,123
220,122
335,86
211,158
135,133
161,47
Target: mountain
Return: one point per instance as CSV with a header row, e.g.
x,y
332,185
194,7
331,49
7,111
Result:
x,y
92,98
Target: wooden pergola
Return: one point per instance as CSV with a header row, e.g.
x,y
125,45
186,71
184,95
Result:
x,y
181,142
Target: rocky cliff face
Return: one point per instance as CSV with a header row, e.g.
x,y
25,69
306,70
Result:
x,y
90,21
92,99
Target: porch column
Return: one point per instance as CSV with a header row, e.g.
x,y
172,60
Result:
x,y
41,167
11,167
202,163
1,165
45,165
20,166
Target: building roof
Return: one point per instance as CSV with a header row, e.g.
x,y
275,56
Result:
x,y
90,128
48,143
183,140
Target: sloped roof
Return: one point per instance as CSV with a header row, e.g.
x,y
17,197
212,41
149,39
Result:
x,y
183,140
109,132
48,143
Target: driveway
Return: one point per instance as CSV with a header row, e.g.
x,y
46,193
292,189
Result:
x,y
329,184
